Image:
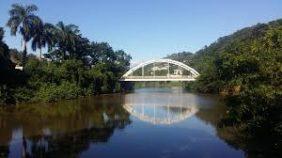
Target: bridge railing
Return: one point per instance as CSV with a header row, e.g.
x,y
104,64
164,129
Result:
x,y
160,77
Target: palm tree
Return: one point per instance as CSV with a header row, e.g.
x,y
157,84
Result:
x,y
67,35
23,20
1,33
5,62
43,36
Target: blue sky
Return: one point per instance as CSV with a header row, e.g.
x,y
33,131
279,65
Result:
x,y
149,29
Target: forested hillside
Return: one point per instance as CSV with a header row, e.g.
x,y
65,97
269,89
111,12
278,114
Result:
x,y
184,57
246,67
237,50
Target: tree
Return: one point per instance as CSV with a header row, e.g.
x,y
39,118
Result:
x,y
78,67
184,57
44,35
102,52
5,62
23,20
67,35
1,34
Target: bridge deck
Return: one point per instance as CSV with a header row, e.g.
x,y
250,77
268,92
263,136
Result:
x,y
158,78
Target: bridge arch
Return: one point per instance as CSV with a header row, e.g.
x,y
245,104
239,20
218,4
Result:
x,y
170,118
194,73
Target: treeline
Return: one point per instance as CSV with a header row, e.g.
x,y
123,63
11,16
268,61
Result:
x,y
247,68
72,66
184,57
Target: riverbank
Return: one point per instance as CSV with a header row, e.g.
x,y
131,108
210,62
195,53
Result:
x,y
52,81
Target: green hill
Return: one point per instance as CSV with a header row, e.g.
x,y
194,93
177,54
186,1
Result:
x,y
246,67
251,43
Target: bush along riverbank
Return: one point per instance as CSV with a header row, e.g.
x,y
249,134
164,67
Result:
x,y
71,66
52,81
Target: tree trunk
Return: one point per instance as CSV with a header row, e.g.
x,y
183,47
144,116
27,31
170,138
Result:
x,y
24,53
40,53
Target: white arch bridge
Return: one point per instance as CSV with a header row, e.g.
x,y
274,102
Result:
x,y
177,75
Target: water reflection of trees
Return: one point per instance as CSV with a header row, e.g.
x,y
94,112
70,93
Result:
x,y
64,129
71,144
254,145
4,150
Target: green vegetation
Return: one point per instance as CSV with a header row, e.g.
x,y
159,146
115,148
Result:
x,y
246,67
23,20
73,65
184,57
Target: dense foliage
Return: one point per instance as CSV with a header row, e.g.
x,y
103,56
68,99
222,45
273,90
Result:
x,y
184,57
247,68
73,65
250,72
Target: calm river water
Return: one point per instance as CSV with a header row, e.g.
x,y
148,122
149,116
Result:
x,y
150,122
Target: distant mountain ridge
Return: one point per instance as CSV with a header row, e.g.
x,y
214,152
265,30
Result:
x,y
208,53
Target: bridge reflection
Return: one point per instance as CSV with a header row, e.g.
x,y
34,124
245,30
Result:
x,y
160,107
161,114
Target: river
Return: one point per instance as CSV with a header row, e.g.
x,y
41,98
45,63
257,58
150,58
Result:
x,y
150,122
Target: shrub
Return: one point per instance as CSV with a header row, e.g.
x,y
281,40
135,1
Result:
x,y
52,92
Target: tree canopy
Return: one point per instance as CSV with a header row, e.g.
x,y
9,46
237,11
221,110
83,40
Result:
x,y
72,66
